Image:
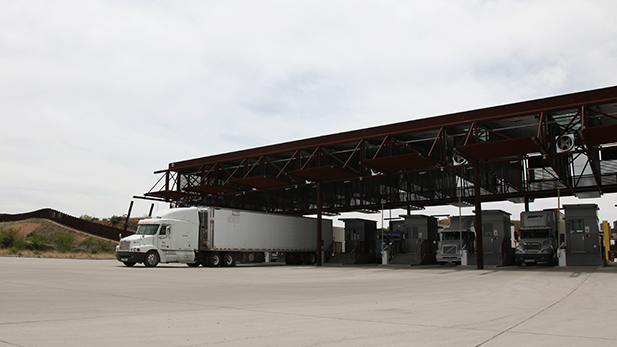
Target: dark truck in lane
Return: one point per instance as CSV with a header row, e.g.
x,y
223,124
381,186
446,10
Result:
x,y
539,237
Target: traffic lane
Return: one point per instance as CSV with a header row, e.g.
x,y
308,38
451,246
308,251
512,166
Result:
x,y
103,302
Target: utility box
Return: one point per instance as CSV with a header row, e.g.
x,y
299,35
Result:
x,y
359,243
496,238
420,241
582,235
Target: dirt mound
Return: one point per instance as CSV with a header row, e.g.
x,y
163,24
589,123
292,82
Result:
x,y
25,228
48,228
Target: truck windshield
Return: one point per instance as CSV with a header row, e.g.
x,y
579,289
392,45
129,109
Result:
x,y
535,234
455,235
147,229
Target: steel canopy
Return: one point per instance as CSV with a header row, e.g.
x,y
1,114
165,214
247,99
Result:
x,y
521,151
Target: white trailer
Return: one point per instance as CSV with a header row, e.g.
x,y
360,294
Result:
x,y
221,237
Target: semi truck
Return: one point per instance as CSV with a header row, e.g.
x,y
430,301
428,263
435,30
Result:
x,y
459,236
539,237
213,236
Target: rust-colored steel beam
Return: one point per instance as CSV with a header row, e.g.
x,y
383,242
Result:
x,y
574,100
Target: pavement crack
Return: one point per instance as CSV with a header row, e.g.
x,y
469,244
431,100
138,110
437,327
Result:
x,y
539,312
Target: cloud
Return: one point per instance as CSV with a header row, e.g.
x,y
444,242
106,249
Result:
x,y
95,96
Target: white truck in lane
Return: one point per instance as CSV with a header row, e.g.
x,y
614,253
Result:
x,y
455,239
213,236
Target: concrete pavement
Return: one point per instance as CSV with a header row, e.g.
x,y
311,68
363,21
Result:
x,y
71,302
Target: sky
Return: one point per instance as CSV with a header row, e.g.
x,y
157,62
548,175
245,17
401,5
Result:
x,y
97,95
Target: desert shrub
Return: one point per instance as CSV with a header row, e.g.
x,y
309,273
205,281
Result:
x,y
64,240
89,242
89,218
106,246
115,220
38,242
8,237
15,251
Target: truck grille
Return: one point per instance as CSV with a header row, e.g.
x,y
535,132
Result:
x,y
449,249
531,246
124,245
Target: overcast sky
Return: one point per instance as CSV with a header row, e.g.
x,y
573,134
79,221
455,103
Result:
x,y
96,95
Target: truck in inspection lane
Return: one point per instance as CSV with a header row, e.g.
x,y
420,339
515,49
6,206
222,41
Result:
x,y
213,236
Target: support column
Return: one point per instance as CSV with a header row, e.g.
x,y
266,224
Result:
x,y
478,223
128,215
319,237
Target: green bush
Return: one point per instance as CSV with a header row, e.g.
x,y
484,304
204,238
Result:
x,y
64,240
115,220
38,242
8,237
106,246
15,251
89,242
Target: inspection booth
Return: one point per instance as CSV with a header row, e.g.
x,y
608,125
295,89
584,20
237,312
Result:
x,y
419,236
496,239
583,243
359,242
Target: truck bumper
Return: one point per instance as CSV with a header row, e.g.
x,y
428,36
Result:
x,y
131,257
448,258
533,258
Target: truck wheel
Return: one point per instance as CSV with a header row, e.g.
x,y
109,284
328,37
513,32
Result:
x,y
129,263
229,259
203,259
309,258
152,259
288,259
214,259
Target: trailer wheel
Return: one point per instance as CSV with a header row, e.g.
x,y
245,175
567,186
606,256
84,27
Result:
x,y
152,259
309,258
288,259
214,259
229,259
129,263
293,259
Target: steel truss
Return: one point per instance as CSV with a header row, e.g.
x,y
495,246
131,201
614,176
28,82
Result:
x,y
559,145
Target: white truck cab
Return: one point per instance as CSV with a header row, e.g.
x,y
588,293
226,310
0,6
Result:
x,y
167,237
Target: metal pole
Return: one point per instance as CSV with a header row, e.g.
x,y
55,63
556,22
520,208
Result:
x,y
460,218
319,237
478,223
126,222
382,232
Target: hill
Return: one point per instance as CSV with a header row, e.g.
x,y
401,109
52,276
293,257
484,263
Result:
x,y
56,240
